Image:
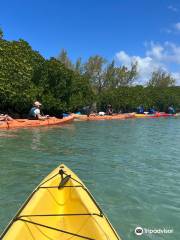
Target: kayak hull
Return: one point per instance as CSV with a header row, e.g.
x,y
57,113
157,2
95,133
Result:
x,y
105,117
61,207
157,115
23,123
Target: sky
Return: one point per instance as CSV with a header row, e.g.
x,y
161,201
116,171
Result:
x,y
145,31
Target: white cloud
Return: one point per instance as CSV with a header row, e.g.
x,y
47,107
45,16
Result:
x,y
145,65
174,28
167,30
172,8
125,58
156,56
156,51
177,26
176,75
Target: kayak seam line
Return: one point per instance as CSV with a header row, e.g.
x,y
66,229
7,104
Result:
x,y
92,198
58,186
48,179
74,179
55,229
56,215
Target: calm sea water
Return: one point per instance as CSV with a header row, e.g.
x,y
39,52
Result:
x,y
132,168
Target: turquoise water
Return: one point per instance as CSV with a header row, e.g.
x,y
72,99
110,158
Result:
x,y
132,168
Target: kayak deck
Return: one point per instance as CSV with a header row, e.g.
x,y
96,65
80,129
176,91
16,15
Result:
x,y
61,207
21,123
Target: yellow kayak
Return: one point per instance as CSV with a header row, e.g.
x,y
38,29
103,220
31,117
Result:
x,y
141,115
62,208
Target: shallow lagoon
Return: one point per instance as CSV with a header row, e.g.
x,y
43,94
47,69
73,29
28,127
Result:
x,y
132,167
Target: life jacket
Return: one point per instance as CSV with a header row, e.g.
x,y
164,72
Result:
x,y
32,114
152,111
140,110
171,110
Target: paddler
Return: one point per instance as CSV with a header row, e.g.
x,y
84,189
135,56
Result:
x,y
152,110
86,110
109,110
140,110
5,117
171,110
35,113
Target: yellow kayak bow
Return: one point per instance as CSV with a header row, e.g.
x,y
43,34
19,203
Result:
x,y
62,208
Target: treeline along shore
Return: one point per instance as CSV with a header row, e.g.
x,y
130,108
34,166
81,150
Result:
x,y
63,86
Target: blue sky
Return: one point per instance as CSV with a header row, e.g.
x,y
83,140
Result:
x,y
146,31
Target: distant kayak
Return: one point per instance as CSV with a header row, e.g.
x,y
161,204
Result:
x,y
94,117
144,115
156,115
80,117
60,208
22,123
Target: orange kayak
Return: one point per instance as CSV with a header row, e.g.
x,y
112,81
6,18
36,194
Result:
x,y
105,117
80,117
21,123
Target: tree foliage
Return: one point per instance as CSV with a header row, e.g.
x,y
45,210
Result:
x,y
161,78
120,76
94,71
126,99
18,65
25,76
63,58
1,33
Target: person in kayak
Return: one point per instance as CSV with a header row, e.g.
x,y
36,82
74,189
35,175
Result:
x,y
140,110
86,110
171,110
152,110
109,110
35,113
5,117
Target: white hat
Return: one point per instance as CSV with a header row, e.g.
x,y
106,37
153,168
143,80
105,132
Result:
x,y
36,103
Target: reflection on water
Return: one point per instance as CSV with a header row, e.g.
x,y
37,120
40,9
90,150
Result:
x,y
4,134
36,139
131,167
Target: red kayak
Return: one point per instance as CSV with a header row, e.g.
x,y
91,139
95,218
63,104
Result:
x,y
162,114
